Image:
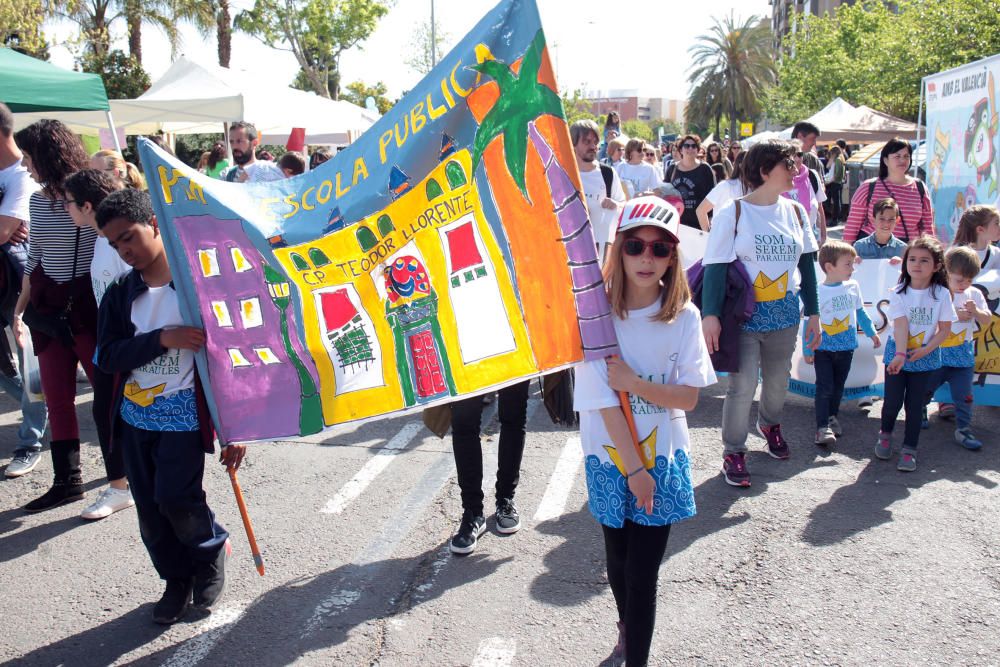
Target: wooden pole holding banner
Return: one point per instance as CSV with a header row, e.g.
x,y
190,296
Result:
x,y
630,419
254,549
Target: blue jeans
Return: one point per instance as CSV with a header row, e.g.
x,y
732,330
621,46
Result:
x,y
960,382
33,415
831,376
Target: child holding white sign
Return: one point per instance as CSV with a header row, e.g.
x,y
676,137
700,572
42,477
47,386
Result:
x,y
921,312
958,357
841,310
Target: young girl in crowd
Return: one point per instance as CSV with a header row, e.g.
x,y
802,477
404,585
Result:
x,y
979,228
112,163
664,363
921,312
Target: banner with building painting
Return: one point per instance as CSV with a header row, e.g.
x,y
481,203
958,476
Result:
x,y
963,140
445,253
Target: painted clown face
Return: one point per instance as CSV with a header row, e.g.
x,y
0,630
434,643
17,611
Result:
x,y
978,147
406,280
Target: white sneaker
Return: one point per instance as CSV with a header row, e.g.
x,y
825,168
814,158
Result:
x,y
108,502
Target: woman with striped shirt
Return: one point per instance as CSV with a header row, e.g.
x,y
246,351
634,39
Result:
x,y
63,326
916,213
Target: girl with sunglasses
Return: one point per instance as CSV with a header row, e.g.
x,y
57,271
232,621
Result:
x,y
771,236
663,364
693,178
713,155
735,150
637,175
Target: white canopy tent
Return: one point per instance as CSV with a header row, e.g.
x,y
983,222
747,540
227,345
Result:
x,y
196,98
856,125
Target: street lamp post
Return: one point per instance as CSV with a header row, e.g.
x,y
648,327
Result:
x,y
311,414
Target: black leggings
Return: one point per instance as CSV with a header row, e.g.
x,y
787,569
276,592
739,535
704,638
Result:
x,y
906,389
634,555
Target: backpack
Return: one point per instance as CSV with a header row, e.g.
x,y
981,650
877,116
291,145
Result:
x,y
814,182
923,205
608,174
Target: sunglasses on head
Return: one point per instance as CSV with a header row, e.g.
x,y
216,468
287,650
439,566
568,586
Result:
x,y
634,247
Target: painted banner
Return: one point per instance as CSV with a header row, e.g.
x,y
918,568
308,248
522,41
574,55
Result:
x,y
445,253
963,146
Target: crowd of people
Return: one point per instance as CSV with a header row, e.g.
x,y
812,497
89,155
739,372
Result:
x,y
90,287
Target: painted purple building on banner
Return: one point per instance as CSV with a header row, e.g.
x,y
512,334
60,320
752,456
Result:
x,y
256,387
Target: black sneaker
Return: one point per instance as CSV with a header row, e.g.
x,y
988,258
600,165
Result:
x,y
174,603
469,530
60,494
210,578
508,520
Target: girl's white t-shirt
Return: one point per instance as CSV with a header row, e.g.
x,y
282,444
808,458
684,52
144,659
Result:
x,y
725,192
989,257
666,353
769,240
637,178
105,267
923,309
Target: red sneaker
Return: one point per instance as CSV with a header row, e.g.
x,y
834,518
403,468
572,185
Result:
x,y
734,469
776,445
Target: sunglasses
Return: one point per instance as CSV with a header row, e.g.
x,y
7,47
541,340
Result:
x,y
689,145
635,247
649,154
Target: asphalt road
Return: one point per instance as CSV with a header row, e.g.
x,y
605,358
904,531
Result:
x,y
830,558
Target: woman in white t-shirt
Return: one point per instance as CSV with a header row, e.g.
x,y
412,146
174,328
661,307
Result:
x,y
636,497
85,190
723,193
637,176
771,236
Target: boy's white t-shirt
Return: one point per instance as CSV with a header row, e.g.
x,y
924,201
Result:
x,y
666,353
769,240
957,349
923,309
637,178
725,192
159,396
838,315
105,267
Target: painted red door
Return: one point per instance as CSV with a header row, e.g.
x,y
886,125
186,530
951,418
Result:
x,y
426,365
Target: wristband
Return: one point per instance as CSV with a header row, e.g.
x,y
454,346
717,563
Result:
x,y
635,472
901,354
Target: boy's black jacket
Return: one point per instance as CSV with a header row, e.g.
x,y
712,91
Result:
x,y
120,350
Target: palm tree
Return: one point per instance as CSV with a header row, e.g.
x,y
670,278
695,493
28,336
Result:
x,y
95,18
210,16
735,61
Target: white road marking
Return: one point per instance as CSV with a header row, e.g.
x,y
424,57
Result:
x,y
495,652
370,470
329,607
556,494
207,635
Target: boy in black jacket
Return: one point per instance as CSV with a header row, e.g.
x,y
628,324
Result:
x,y
160,417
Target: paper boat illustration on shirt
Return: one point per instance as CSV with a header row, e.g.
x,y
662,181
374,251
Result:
x,y
143,397
647,448
915,341
954,339
837,326
766,289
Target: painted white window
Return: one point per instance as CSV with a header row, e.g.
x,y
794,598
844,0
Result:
x,y
209,260
237,358
251,314
240,262
267,355
222,315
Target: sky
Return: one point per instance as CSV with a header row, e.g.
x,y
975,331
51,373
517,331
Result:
x,y
642,45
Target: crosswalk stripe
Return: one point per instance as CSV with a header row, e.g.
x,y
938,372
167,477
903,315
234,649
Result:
x,y
371,469
207,635
553,502
495,652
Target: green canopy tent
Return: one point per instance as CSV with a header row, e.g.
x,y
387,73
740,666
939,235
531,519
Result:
x,y
31,85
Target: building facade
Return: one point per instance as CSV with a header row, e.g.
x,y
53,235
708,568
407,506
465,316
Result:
x,y
785,15
631,106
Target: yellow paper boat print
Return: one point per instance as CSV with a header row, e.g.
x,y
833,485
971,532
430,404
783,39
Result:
x,y
954,339
647,449
837,326
766,289
143,397
915,341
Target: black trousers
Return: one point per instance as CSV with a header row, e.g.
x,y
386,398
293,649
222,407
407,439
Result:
x,y
165,470
634,555
831,369
114,458
466,422
905,389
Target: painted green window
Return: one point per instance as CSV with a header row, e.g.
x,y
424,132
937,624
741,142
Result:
x,y
433,190
455,174
385,225
366,238
318,257
299,263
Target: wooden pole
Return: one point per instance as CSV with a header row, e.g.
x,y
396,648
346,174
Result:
x,y
254,549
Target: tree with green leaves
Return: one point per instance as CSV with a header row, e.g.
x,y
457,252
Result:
x,y
420,47
732,65
358,92
21,27
210,17
637,129
876,55
316,32
576,107
123,75
96,17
